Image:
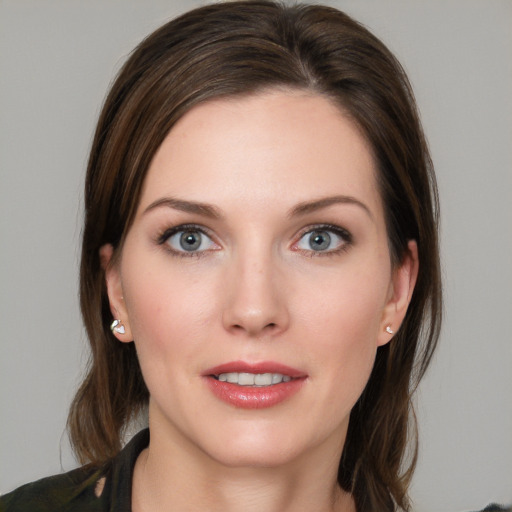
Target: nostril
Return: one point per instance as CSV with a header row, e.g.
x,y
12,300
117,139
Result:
x,y
240,327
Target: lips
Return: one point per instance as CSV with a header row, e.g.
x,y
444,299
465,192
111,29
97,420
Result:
x,y
263,367
254,386
253,379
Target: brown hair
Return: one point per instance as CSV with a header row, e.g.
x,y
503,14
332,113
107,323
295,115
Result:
x,y
239,48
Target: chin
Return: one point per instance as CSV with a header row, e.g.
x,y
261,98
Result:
x,y
255,457
260,446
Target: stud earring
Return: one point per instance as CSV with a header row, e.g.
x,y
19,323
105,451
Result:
x,y
117,327
389,330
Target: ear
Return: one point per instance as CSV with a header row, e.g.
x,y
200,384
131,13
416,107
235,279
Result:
x,y
400,294
115,292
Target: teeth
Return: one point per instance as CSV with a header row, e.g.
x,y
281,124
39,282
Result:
x,y
246,379
254,379
263,379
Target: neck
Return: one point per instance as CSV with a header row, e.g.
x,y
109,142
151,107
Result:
x,y
172,476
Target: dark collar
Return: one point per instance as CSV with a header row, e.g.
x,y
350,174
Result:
x,y
119,474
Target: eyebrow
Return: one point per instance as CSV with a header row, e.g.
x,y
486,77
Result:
x,y
325,202
206,210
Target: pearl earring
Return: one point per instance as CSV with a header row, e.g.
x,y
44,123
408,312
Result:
x,y
117,327
389,330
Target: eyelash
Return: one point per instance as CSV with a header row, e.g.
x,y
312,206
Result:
x,y
164,236
342,233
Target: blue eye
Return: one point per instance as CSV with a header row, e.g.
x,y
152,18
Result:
x,y
324,240
188,240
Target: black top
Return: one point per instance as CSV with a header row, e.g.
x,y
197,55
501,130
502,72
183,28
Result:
x,y
75,491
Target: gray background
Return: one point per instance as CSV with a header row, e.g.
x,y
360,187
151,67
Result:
x,y
56,61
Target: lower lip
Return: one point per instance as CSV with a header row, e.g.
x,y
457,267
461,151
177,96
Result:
x,y
248,397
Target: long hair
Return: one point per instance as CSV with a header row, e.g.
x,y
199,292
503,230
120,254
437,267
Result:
x,y
234,49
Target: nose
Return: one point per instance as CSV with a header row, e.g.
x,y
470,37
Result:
x,y
256,303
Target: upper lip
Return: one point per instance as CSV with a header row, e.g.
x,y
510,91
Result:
x,y
260,367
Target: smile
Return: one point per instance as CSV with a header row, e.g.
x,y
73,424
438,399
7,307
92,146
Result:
x,y
253,379
254,385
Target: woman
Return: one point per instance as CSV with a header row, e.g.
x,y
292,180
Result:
x,y
259,266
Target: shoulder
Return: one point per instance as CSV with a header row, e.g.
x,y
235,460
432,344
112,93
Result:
x,y
86,489
496,508
60,493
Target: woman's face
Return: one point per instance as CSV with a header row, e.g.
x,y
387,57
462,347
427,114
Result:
x,y
256,279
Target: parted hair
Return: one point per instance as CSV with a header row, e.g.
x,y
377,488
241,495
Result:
x,y
240,48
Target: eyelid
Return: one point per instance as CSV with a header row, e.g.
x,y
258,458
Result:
x,y
164,236
343,233
340,232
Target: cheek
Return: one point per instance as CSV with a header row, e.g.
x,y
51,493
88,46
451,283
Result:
x,y
168,312
350,303
348,342
164,306
345,320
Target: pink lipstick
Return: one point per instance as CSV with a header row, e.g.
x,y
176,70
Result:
x,y
254,386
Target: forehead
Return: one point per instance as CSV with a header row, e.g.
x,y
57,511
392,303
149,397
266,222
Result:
x,y
277,144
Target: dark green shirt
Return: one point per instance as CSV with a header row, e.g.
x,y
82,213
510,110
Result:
x,y
75,491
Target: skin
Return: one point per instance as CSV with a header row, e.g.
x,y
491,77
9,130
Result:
x,y
256,291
